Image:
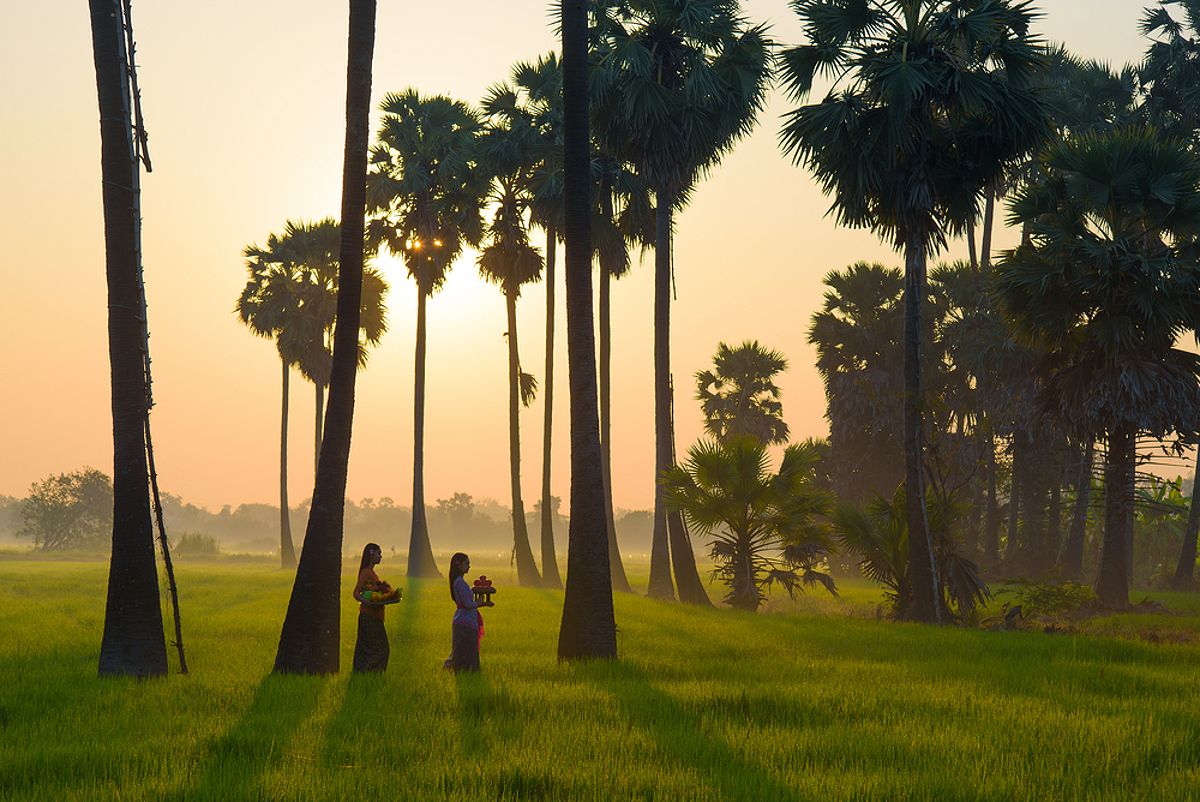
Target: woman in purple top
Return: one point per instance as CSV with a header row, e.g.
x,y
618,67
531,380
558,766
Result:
x,y
465,628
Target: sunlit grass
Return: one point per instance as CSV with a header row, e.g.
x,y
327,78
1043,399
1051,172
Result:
x,y
804,702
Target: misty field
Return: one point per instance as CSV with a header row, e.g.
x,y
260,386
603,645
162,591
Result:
x,y
820,702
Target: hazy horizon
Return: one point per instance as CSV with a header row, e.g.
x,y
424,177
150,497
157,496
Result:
x,y
244,107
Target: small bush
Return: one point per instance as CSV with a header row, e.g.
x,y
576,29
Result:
x,y
1049,598
194,544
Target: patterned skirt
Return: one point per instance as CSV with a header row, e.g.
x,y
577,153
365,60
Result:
x,y
371,650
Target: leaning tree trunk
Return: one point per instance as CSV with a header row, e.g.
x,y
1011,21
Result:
x,y
1184,572
550,575
660,569
287,551
926,597
133,641
616,566
1112,584
989,216
527,572
420,550
1072,562
588,628
309,643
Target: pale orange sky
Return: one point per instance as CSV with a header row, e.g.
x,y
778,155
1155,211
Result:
x,y
244,106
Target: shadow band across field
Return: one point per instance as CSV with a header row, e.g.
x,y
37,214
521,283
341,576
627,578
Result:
x,y
237,760
680,736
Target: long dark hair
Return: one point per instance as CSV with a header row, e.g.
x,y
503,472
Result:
x,y
369,552
454,572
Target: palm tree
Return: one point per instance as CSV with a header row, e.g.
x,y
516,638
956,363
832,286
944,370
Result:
x,y
1170,73
764,527
739,397
857,337
133,640
291,296
1184,578
588,629
931,99
509,261
677,85
426,190
1107,285
309,642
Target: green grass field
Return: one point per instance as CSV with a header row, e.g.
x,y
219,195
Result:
x,y
814,700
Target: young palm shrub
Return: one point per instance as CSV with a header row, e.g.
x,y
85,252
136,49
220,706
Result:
x,y
764,528
877,533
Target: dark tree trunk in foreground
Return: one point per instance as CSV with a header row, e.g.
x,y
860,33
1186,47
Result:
x,y
287,551
1072,561
687,577
989,216
420,550
615,564
1054,516
1185,571
660,557
588,628
527,572
926,598
310,638
133,641
1016,492
991,537
550,576
1112,584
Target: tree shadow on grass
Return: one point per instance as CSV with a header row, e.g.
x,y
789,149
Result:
x,y
679,735
236,760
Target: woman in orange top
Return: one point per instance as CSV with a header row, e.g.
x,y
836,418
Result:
x,y
371,651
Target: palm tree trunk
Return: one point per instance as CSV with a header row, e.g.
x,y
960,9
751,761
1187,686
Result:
x,y
1112,584
926,605
1184,572
1054,514
287,551
989,217
527,572
318,423
615,565
1015,492
1072,561
309,642
660,569
133,641
550,576
971,254
588,629
420,549
991,538
687,577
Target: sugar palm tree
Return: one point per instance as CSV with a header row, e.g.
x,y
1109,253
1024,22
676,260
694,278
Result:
x,y
588,629
857,337
309,642
765,527
677,85
426,192
739,397
1107,285
510,261
133,642
931,98
1170,73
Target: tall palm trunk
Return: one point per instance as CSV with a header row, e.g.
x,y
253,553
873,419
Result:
x,y
1054,514
619,581
1185,570
926,598
550,575
420,550
287,551
1015,495
588,628
309,642
1112,584
660,569
991,537
989,216
687,577
527,572
1072,561
133,641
